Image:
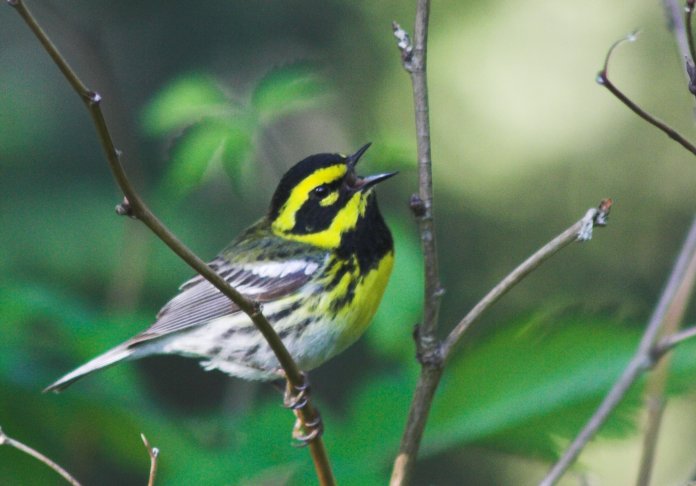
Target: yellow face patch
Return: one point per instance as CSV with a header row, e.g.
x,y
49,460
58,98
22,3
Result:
x,y
300,193
329,200
345,220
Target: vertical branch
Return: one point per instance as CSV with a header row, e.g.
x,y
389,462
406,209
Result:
x,y
423,204
414,59
153,452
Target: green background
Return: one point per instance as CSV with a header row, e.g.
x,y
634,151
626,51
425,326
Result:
x,y
212,101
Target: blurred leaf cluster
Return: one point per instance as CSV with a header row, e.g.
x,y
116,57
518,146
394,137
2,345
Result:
x,y
214,128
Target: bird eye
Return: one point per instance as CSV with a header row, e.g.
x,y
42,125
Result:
x,y
319,192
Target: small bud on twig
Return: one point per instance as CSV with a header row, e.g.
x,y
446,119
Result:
x,y
417,205
594,217
691,72
125,209
93,98
405,46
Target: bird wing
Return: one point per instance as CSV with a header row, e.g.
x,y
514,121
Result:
x,y
199,302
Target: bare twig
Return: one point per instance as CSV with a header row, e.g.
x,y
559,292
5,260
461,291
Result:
x,y
678,23
680,280
657,380
6,440
134,206
672,341
655,407
603,79
581,230
153,452
689,31
414,59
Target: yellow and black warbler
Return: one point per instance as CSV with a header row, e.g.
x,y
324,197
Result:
x,y
318,262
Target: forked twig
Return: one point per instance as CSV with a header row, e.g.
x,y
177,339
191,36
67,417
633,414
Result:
x,y
6,440
680,280
135,207
603,80
581,230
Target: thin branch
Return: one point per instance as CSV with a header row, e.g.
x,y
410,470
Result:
x,y
678,22
6,440
681,278
580,230
134,206
657,380
153,452
675,339
655,406
689,31
414,59
603,79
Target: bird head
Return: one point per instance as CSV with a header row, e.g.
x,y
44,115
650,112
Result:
x,y
322,197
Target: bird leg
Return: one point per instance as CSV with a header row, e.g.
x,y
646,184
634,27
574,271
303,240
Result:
x,y
296,399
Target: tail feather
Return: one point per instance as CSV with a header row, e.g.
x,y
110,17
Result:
x,y
111,357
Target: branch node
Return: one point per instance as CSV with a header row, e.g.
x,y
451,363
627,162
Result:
x,y
403,42
93,98
125,209
594,217
257,309
13,3
691,72
428,349
417,206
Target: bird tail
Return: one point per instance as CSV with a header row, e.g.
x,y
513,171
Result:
x,y
119,353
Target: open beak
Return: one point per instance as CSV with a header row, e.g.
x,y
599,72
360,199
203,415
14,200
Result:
x,y
362,183
352,160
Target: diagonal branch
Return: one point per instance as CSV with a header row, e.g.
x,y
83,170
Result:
x,y
6,440
135,207
603,80
680,280
580,231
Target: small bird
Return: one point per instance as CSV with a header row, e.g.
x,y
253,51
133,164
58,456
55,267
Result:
x,y
318,263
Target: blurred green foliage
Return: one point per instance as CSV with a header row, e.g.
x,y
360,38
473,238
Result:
x,y
215,128
230,94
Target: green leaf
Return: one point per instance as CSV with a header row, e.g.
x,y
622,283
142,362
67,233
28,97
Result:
x,y
287,89
531,384
236,153
198,147
185,100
